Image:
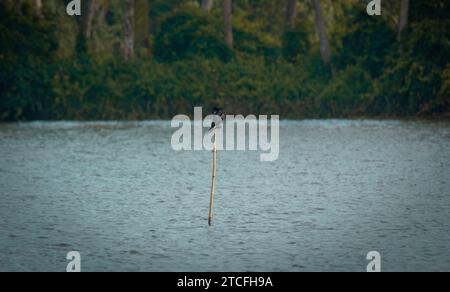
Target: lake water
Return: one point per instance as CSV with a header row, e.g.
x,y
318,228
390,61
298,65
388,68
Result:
x,y
119,194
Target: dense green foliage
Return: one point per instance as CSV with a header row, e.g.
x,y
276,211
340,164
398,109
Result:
x,y
49,71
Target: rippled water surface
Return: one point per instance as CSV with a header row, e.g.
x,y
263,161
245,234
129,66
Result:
x,y
119,194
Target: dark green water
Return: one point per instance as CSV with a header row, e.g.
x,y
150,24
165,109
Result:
x,y
119,194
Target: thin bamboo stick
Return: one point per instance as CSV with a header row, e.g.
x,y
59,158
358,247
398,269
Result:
x,y
213,184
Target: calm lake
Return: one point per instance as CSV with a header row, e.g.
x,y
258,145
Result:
x,y
118,194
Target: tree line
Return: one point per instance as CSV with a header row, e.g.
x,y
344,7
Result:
x,y
206,5
140,59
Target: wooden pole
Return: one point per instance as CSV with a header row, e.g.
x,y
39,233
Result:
x,y
213,185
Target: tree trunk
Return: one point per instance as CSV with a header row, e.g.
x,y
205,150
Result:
x,y
88,17
291,12
207,5
322,32
142,27
129,30
38,6
404,13
332,10
227,18
104,10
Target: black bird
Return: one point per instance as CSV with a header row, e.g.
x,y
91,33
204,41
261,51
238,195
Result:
x,y
219,117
